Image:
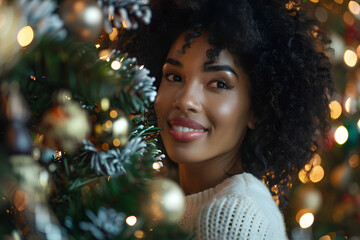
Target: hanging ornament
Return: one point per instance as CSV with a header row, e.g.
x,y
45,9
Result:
x,y
83,18
65,125
11,22
125,13
165,201
111,129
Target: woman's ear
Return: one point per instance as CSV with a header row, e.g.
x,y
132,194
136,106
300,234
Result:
x,y
252,121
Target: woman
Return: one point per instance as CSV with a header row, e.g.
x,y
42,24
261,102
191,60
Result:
x,y
243,97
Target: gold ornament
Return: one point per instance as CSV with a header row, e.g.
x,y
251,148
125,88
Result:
x,y
65,126
83,18
11,22
111,129
164,202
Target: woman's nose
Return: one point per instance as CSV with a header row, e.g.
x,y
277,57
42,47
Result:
x,y
188,98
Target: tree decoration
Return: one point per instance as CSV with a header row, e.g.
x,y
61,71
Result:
x,y
111,129
83,19
164,202
112,162
125,13
42,16
65,125
106,225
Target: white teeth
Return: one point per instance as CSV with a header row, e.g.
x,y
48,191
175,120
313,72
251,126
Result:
x,y
185,129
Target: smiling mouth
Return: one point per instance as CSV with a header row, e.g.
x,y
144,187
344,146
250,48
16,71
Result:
x,y
185,129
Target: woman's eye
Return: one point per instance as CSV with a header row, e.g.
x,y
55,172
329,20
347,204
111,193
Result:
x,y
220,84
173,77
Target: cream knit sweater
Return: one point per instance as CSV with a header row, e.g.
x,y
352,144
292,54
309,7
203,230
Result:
x,y
239,208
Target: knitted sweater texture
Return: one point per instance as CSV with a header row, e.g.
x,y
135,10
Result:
x,y
239,208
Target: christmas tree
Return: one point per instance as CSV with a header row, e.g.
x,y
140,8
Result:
x,y
78,158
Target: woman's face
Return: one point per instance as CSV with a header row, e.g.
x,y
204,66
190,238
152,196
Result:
x,y
203,110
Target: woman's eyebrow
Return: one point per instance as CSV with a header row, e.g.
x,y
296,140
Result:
x,y
174,62
216,68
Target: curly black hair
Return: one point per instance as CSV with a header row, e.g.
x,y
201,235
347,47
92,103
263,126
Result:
x,y
284,53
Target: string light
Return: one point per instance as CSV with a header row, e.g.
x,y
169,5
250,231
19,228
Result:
x,y
350,58
316,174
97,45
25,36
116,142
354,7
113,35
306,220
131,220
116,65
113,114
156,166
341,135
335,109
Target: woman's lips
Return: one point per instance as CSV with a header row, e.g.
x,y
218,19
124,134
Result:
x,y
186,130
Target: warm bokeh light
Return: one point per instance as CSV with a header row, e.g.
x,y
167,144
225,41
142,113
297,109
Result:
x,y
105,146
358,51
131,220
354,160
116,65
113,35
97,45
108,124
113,114
335,109
316,160
348,103
21,200
156,166
321,14
303,176
139,234
339,1
306,220
341,135
354,7
316,174
120,126
326,237
358,124
25,36
348,18
105,104
116,142
314,1
350,58
104,54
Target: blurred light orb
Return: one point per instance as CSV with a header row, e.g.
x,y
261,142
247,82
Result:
x,y
303,177
354,160
326,237
131,220
156,166
306,220
25,36
339,1
116,65
321,14
350,58
341,135
354,7
335,109
316,174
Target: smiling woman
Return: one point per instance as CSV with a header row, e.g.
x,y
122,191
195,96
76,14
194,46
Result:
x,y
243,94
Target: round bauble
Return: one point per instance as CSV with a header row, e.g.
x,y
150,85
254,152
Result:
x,y
65,126
164,202
110,129
83,18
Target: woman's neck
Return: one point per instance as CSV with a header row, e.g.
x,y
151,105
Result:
x,y
197,177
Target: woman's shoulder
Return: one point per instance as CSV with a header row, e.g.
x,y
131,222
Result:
x,y
237,216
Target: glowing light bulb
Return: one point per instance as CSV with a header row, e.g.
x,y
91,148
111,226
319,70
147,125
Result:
x,y
306,220
354,7
116,65
156,166
25,36
131,220
341,135
316,174
335,109
350,58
